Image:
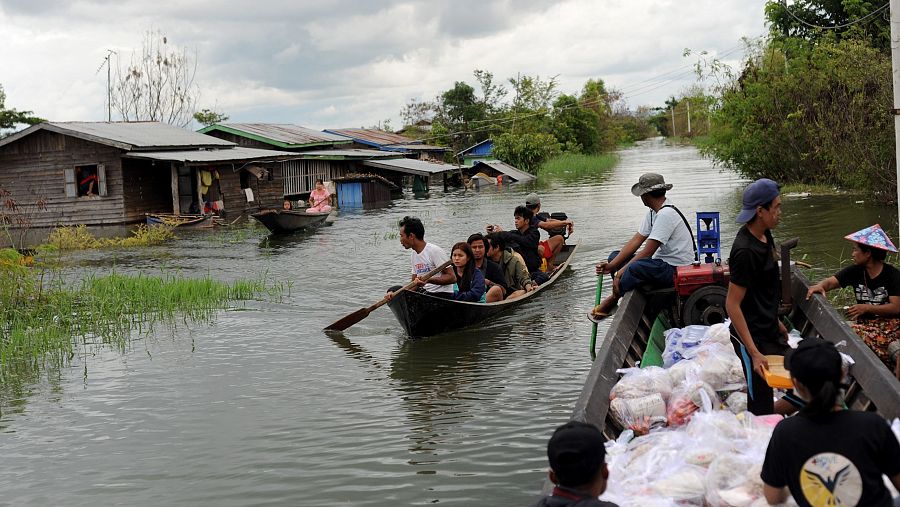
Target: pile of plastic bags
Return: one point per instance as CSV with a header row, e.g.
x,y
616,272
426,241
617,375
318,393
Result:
x,y
704,448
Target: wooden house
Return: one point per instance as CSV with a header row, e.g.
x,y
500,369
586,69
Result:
x,y
108,173
495,168
389,141
481,151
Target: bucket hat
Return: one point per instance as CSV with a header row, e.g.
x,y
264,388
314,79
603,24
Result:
x,y
873,236
648,182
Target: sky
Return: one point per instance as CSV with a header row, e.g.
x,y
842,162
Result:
x,y
332,64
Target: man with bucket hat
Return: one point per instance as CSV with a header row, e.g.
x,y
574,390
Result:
x,y
754,294
876,286
667,240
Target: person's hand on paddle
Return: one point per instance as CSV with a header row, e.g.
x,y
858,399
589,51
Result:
x,y
603,268
760,363
420,282
570,225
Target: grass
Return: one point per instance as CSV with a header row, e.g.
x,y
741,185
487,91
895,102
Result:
x,y
810,188
78,237
569,165
44,318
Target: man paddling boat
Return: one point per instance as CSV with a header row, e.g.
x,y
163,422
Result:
x,y
425,257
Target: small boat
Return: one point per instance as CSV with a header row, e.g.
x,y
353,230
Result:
x,y
873,387
185,221
280,221
423,315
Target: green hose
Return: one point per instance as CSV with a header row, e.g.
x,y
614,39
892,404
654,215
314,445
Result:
x,y
594,325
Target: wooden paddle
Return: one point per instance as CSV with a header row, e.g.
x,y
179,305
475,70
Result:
x,y
362,313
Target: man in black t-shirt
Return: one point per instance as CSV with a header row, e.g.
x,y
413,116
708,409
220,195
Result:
x,y
494,280
525,240
753,293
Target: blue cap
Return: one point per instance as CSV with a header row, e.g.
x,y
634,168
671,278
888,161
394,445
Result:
x,y
756,194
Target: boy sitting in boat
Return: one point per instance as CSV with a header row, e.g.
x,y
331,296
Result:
x,y
425,257
551,246
876,285
525,240
514,270
577,457
493,273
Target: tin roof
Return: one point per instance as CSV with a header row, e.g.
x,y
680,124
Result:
x,y
410,166
516,174
283,135
349,154
238,154
470,148
131,136
385,140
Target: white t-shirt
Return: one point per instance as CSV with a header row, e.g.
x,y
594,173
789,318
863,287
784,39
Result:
x,y
676,242
431,257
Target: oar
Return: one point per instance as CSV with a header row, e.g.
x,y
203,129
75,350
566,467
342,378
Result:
x,y
362,313
594,327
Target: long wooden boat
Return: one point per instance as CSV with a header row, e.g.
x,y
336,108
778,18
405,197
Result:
x,y
873,386
280,221
422,314
185,221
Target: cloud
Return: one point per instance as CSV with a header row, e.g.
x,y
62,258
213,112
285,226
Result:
x,y
350,63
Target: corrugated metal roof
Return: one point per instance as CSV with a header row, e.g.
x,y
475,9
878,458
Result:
x,y
284,135
410,166
470,148
503,167
131,136
210,156
352,154
385,140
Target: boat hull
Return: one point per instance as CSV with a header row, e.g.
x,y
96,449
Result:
x,y
422,314
181,221
873,387
287,221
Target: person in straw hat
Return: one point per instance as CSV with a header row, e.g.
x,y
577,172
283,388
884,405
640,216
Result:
x,y
667,240
876,286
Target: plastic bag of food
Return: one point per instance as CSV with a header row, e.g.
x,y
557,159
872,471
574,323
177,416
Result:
x,y
640,382
729,481
685,484
687,399
639,414
736,402
679,371
718,366
679,341
719,333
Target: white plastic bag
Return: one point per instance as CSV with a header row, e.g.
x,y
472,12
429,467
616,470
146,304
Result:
x,y
640,382
639,414
679,341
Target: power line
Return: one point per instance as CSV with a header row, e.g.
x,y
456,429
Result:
x,y
834,27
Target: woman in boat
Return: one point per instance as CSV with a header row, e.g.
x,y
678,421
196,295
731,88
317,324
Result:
x,y
827,455
469,284
876,285
319,199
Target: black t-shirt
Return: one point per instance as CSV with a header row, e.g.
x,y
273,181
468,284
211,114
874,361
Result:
x,y
872,291
752,265
526,243
840,458
493,272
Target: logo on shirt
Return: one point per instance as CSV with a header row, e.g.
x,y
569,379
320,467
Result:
x,y
828,479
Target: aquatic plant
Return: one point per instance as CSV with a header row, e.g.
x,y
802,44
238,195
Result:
x,y
78,237
572,165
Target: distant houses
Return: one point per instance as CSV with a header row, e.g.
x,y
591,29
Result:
x,y
389,141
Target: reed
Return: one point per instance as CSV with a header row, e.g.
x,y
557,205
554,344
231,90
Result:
x,y
78,237
44,319
572,165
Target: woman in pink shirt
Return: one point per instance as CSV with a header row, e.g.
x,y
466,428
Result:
x,y
319,199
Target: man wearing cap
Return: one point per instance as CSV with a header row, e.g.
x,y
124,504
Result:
x,y
827,455
669,244
552,245
876,285
753,293
577,467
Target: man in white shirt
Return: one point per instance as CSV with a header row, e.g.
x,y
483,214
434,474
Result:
x,y
425,257
669,244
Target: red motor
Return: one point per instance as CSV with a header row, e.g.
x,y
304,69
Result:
x,y
690,278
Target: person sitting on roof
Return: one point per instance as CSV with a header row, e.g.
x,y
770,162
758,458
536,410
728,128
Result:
x,y
319,199
514,270
876,285
552,245
469,284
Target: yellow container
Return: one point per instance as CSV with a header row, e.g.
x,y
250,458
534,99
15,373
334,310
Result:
x,y
776,376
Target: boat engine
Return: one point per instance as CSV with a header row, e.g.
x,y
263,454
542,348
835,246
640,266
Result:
x,y
701,289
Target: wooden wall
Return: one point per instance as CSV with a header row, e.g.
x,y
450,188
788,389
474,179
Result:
x,y
266,194
34,168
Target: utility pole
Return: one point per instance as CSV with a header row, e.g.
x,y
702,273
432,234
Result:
x,y
673,120
689,116
108,88
895,68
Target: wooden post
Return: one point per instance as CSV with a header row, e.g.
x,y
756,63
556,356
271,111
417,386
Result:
x,y
198,194
176,205
895,67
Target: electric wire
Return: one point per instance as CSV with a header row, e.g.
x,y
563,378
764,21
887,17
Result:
x,y
834,27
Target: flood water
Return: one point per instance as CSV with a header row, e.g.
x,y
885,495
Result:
x,y
262,408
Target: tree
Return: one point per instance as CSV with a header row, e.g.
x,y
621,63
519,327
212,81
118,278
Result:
x,y
9,118
525,151
157,84
856,19
208,117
